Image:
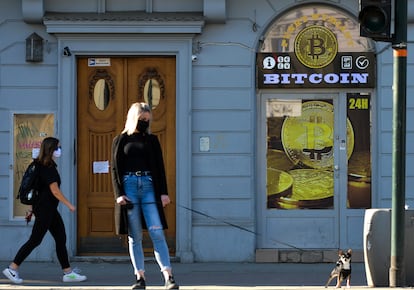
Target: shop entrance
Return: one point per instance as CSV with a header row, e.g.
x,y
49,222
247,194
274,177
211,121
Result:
x,y
318,170
107,86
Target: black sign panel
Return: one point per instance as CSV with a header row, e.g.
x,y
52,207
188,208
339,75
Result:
x,y
347,70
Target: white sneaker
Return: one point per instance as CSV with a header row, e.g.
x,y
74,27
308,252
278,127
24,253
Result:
x,y
13,275
73,277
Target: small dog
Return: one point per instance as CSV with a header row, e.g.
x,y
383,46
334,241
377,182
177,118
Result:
x,y
342,269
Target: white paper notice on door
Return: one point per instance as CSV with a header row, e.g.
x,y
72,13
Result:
x,y
100,167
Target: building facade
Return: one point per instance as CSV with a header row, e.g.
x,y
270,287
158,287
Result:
x,y
275,119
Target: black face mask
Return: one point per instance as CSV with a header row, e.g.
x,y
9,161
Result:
x,y
142,126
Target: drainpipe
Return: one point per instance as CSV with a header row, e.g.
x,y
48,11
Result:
x,y
33,11
215,11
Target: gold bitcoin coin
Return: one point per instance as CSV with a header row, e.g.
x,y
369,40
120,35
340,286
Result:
x,y
279,183
311,184
308,139
359,180
311,189
359,164
316,46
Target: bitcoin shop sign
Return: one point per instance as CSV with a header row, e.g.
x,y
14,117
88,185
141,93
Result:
x,y
316,63
347,70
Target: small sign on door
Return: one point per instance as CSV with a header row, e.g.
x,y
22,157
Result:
x,y
99,61
100,167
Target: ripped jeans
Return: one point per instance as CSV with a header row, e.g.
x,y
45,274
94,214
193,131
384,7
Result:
x,y
140,190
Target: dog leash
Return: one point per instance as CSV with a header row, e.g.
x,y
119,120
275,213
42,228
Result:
x,y
235,225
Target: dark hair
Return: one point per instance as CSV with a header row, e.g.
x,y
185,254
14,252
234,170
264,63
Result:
x,y
48,146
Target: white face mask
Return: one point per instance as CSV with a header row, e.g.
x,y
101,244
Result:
x,y
57,153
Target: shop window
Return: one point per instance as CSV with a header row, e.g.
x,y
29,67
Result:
x,y
29,131
300,154
359,163
316,47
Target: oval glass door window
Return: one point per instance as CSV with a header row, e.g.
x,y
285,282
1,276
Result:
x,y
152,93
101,94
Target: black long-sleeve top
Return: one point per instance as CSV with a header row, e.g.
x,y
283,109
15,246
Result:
x,y
120,167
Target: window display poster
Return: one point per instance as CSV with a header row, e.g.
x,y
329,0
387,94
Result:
x,y
300,155
359,163
28,132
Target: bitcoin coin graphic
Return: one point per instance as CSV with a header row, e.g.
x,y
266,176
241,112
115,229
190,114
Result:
x,y
279,184
312,184
316,46
308,139
312,188
359,180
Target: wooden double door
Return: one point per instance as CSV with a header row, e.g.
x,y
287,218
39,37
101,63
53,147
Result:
x,y
107,86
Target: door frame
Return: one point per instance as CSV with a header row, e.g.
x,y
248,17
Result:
x,y
123,45
342,217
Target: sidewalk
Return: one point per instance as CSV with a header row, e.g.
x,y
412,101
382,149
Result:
x,y
212,276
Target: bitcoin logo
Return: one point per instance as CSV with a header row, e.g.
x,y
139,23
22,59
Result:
x,y
308,139
316,46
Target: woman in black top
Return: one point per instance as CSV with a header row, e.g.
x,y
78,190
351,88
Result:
x,y
140,189
47,215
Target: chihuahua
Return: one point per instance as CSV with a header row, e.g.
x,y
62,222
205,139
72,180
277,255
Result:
x,y
342,269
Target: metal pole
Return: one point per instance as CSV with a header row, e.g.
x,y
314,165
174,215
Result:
x,y
397,266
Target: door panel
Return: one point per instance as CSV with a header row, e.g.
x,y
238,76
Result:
x,y
300,154
153,82
105,93
302,182
96,130
318,170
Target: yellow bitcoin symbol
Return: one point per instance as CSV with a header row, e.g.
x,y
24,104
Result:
x,y
316,46
308,140
320,135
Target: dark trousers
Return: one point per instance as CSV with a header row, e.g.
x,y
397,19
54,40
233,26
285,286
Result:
x,y
46,220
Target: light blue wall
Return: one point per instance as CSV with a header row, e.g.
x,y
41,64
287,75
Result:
x,y
223,109
384,124
24,87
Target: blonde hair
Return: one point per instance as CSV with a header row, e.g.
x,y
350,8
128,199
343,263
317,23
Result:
x,y
133,115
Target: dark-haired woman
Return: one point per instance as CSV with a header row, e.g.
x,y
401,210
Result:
x,y
47,215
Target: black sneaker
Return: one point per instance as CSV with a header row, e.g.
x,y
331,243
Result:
x,y
139,285
171,284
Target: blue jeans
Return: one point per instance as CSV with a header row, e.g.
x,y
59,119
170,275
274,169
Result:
x,y
140,190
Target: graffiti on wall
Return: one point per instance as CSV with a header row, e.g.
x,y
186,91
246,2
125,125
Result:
x,y
29,131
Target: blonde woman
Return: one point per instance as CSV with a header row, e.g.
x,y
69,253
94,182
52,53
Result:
x,y
140,188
